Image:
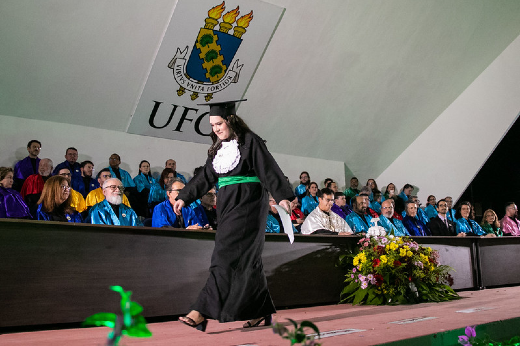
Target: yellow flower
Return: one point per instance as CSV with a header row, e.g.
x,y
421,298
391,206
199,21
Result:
x,y
384,259
394,246
402,252
409,253
406,247
356,261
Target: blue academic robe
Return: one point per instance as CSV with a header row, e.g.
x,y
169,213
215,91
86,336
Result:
x,y
163,216
430,211
469,226
309,203
75,175
300,191
416,227
143,182
93,184
126,179
421,215
356,223
157,194
12,205
397,228
403,196
273,226
450,215
376,206
181,177
24,168
200,212
43,216
103,214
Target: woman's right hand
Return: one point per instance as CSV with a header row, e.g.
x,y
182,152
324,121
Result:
x,y
177,207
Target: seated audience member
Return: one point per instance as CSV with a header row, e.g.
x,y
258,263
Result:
x,y
421,215
389,192
359,221
96,196
340,205
376,203
71,156
297,216
509,223
465,224
33,186
440,225
366,191
172,164
326,182
28,166
274,222
310,202
389,222
143,182
111,211
413,225
371,183
76,199
12,204
402,198
301,190
55,202
431,207
130,190
451,212
158,190
206,212
353,189
490,223
89,183
163,214
333,186
323,220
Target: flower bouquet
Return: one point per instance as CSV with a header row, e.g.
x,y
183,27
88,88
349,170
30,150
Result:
x,y
393,270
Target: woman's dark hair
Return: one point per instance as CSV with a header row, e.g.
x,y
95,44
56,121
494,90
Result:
x,y
149,172
164,175
238,130
309,190
375,184
458,215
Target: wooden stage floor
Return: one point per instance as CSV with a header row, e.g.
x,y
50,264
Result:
x,y
354,325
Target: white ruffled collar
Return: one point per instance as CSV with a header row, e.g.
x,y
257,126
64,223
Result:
x,y
227,157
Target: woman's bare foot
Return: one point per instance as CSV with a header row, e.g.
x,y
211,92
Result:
x,y
194,315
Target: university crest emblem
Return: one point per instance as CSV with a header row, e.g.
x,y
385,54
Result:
x,y
210,67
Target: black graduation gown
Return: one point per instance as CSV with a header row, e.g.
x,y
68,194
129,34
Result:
x,y
237,288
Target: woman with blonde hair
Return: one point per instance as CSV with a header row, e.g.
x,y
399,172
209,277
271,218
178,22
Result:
x,y
55,202
12,204
490,223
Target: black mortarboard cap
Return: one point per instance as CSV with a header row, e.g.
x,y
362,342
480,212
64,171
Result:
x,y
223,108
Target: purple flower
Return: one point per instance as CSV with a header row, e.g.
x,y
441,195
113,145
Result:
x,y
352,276
364,285
470,333
354,269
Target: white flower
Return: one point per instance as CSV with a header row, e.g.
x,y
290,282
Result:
x,y
376,231
227,157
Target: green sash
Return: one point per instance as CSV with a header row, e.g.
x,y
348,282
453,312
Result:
x,y
237,179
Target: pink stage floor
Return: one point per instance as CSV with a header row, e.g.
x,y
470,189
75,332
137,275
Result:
x,y
349,325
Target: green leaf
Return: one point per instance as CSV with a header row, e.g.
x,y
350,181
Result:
x,y
360,294
293,322
311,325
135,308
106,319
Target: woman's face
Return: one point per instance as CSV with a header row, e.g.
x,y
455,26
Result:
x,y
313,189
390,188
490,218
371,183
7,182
168,178
465,210
145,168
220,127
65,191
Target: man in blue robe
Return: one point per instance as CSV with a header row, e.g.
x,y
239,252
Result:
x,y
359,220
274,222
206,211
89,183
392,225
28,166
171,163
111,211
164,216
402,198
414,226
71,156
421,214
301,190
451,212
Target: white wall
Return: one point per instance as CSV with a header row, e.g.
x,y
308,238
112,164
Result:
x,y
449,153
97,145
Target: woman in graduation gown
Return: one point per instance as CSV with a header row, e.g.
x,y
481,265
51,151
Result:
x,y
55,203
12,204
465,224
244,169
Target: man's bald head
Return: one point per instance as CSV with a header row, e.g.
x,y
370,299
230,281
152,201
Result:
x,y
387,208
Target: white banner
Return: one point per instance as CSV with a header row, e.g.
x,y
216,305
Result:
x,y
209,53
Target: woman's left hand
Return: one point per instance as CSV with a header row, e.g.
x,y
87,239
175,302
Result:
x,y
286,205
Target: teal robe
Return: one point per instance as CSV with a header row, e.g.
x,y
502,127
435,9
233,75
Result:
x,y
103,214
356,223
397,228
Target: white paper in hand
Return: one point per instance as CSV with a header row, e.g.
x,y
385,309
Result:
x,y
286,222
